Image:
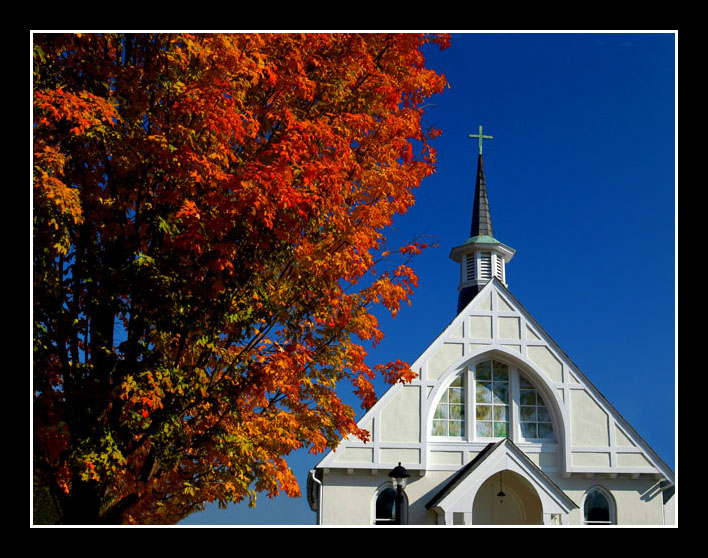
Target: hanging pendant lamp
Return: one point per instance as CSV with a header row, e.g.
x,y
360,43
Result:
x,y
500,494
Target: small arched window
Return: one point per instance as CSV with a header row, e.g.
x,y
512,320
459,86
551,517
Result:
x,y
598,508
385,507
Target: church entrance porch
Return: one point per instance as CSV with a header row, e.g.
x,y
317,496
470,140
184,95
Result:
x,y
506,498
501,486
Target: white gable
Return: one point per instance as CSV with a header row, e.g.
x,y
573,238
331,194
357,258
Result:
x,y
503,456
590,435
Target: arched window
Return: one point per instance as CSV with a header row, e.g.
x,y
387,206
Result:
x,y
492,399
598,508
449,417
534,417
385,507
502,403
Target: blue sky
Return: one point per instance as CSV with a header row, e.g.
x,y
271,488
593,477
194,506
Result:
x,y
581,179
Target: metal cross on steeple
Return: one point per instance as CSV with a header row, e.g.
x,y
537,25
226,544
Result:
x,y
481,138
482,257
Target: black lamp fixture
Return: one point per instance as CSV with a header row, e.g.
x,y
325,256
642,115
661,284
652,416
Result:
x,y
398,476
500,494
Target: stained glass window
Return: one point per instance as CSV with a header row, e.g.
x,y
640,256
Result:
x,y
492,399
502,403
534,417
449,419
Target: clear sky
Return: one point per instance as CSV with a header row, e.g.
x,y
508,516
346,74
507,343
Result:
x,y
581,179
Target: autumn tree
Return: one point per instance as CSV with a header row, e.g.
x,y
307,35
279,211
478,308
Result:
x,y
207,213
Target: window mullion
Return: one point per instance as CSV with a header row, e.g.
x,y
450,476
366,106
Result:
x,y
514,427
469,404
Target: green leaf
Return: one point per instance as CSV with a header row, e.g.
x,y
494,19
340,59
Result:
x,y
143,259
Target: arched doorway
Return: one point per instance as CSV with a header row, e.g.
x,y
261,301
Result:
x,y
520,504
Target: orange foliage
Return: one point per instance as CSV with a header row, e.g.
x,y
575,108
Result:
x,y
224,197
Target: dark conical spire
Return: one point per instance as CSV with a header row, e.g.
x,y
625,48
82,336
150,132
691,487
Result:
x,y
481,227
481,217
482,257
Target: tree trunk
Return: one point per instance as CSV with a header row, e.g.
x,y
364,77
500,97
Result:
x,y
83,505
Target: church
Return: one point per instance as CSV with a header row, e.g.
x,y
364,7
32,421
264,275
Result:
x,y
499,427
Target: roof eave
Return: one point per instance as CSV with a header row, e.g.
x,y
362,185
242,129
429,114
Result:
x,y
478,242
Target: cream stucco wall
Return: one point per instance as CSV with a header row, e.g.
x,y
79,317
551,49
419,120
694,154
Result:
x,y
400,418
546,361
509,328
588,422
445,355
637,501
355,493
481,327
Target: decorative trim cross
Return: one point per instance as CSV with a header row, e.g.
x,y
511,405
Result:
x,y
481,138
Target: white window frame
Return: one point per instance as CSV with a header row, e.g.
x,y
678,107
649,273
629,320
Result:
x,y
611,504
471,404
514,429
465,399
379,491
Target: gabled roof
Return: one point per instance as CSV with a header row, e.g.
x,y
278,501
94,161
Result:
x,y
668,471
463,473
503,445
449,336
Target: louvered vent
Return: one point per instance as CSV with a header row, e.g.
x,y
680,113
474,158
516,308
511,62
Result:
x,y
469,267
485,265
500,268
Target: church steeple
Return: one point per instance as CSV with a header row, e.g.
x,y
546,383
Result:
x,y
482,256
481,217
